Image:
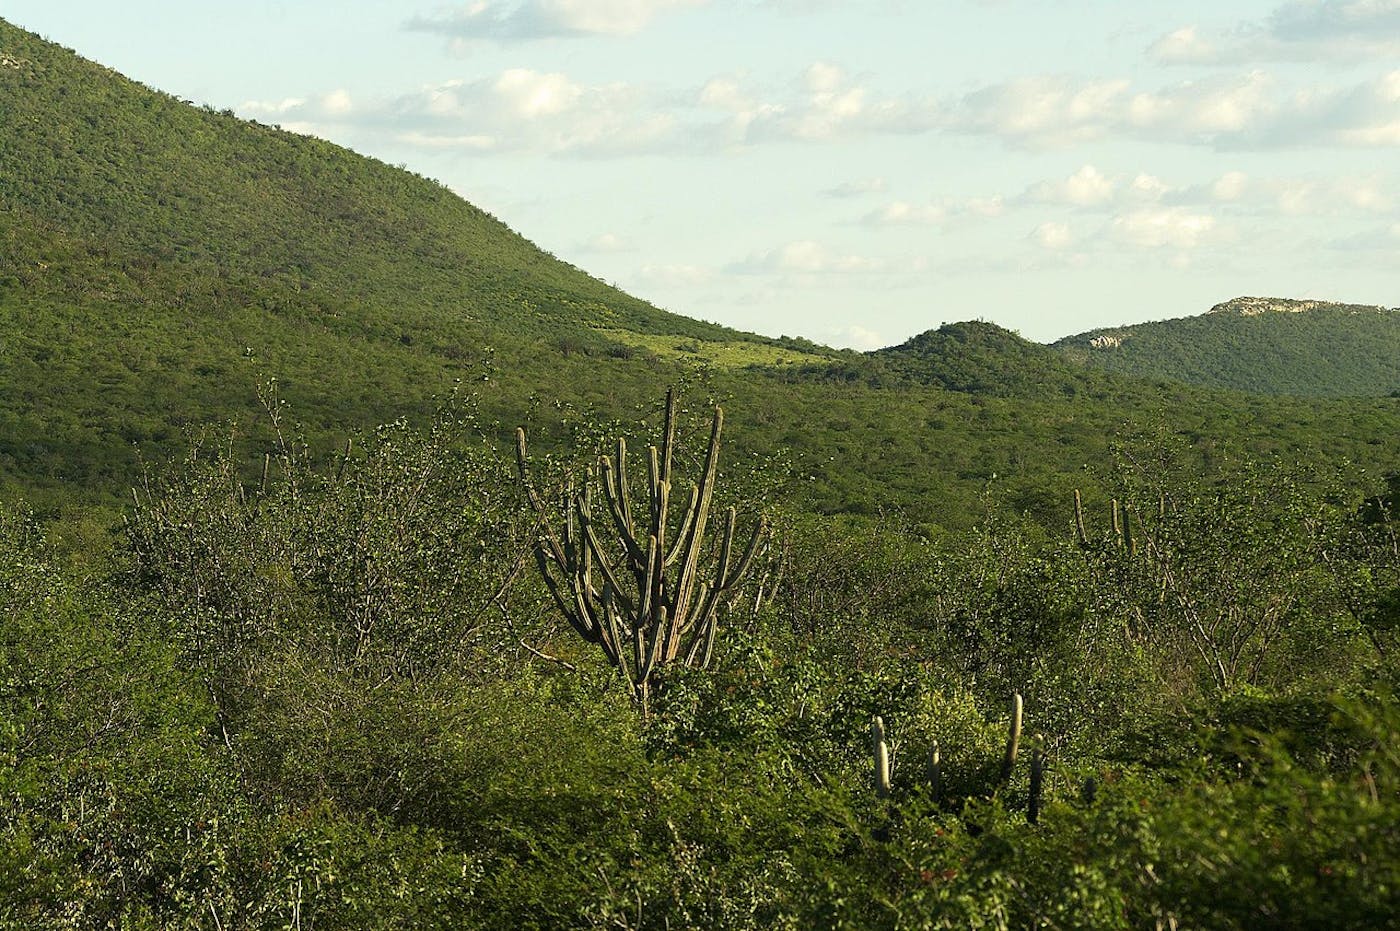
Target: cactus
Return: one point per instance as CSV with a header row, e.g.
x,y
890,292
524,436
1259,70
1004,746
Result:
x,y
1013,738
1037,779
881,752
935,772
1120,524
657,603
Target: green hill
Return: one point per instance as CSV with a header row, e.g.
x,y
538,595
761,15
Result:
x,y
983,358
1261,345
159,261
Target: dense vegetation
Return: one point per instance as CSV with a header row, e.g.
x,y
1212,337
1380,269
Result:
x,y
320,700
1327,351
307,674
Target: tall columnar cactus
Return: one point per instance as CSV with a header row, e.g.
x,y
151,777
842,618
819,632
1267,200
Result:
x,y
1013,738
1120,526
1081,531
935,772
1037,779
652,597
881,752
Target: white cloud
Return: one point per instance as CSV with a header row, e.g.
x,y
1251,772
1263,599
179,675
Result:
x,y
857,188
1183,46
1052,235
854,336
518,110
900,213
1158,227
1340,30
525,110
1230,186
903,213
823,77
539,19
806,257
1251,110
1315,196
1145,187
830,105
1087,187
1040,112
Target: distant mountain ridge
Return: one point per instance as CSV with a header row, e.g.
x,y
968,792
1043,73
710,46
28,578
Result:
x,y
1254,306
1263,345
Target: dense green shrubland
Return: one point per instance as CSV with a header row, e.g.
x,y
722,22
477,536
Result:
x,y
318,699
329,691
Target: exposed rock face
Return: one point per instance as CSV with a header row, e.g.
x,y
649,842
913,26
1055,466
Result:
x,y
1254,306
1106,341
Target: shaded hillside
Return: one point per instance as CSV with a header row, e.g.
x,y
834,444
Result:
x,y
1265,346
158,261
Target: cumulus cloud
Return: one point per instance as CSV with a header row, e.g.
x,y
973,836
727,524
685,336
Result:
x,y
806,257
523,109
541,19
1052,235
1162,227
1185,46
830,104
1342,30
1314,196
854,336
903,213
519,109
1087,187
1251,110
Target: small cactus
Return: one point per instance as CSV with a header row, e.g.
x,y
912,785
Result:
x,y
935,772
881,752
1037,779
1079,527
1013,738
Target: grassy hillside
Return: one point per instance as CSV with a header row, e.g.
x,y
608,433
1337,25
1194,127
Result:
x,y
159,261
1311,349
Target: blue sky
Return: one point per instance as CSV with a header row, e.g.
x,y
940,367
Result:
x,y
852,172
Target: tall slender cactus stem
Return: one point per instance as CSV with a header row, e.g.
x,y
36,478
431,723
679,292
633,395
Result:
x,y
1013,738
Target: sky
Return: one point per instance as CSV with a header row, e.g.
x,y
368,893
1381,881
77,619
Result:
x,y
852,172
